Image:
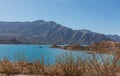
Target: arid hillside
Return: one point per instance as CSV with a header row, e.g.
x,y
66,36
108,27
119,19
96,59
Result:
x,y
100,46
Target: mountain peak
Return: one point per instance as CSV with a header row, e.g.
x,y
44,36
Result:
x,y
85,31
38,21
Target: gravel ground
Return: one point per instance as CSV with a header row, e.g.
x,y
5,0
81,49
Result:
x,y
18,75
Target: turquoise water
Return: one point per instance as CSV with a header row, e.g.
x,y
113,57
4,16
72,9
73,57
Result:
x,y
37,51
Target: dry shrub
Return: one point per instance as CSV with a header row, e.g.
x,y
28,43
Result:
x,y
66,65
87,67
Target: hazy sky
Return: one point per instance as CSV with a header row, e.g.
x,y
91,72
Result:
x,y
101,16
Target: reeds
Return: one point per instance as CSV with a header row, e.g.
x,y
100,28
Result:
x,y
66,65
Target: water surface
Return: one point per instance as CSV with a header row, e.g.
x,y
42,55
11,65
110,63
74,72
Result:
x,y
37,51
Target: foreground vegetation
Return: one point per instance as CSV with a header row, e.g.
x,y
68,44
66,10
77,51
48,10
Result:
x,y
66,65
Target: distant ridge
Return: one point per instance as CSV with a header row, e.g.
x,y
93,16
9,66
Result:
x,y
12,41
49,32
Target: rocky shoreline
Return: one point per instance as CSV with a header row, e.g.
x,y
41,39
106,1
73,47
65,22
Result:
x,y
100,46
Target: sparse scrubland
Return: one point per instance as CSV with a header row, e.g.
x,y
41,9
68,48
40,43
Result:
x,y
105,46
66,65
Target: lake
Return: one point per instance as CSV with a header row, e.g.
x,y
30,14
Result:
x,y
32,52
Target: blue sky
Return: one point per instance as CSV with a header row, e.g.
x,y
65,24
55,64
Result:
x,y
101,16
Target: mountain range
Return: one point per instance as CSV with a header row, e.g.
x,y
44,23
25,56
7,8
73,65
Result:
x,y
48,32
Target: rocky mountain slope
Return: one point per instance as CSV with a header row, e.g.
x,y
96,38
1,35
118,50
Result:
x,y
114,37
47,32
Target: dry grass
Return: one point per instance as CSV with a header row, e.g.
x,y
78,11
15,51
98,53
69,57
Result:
x,y
88,66
66,65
